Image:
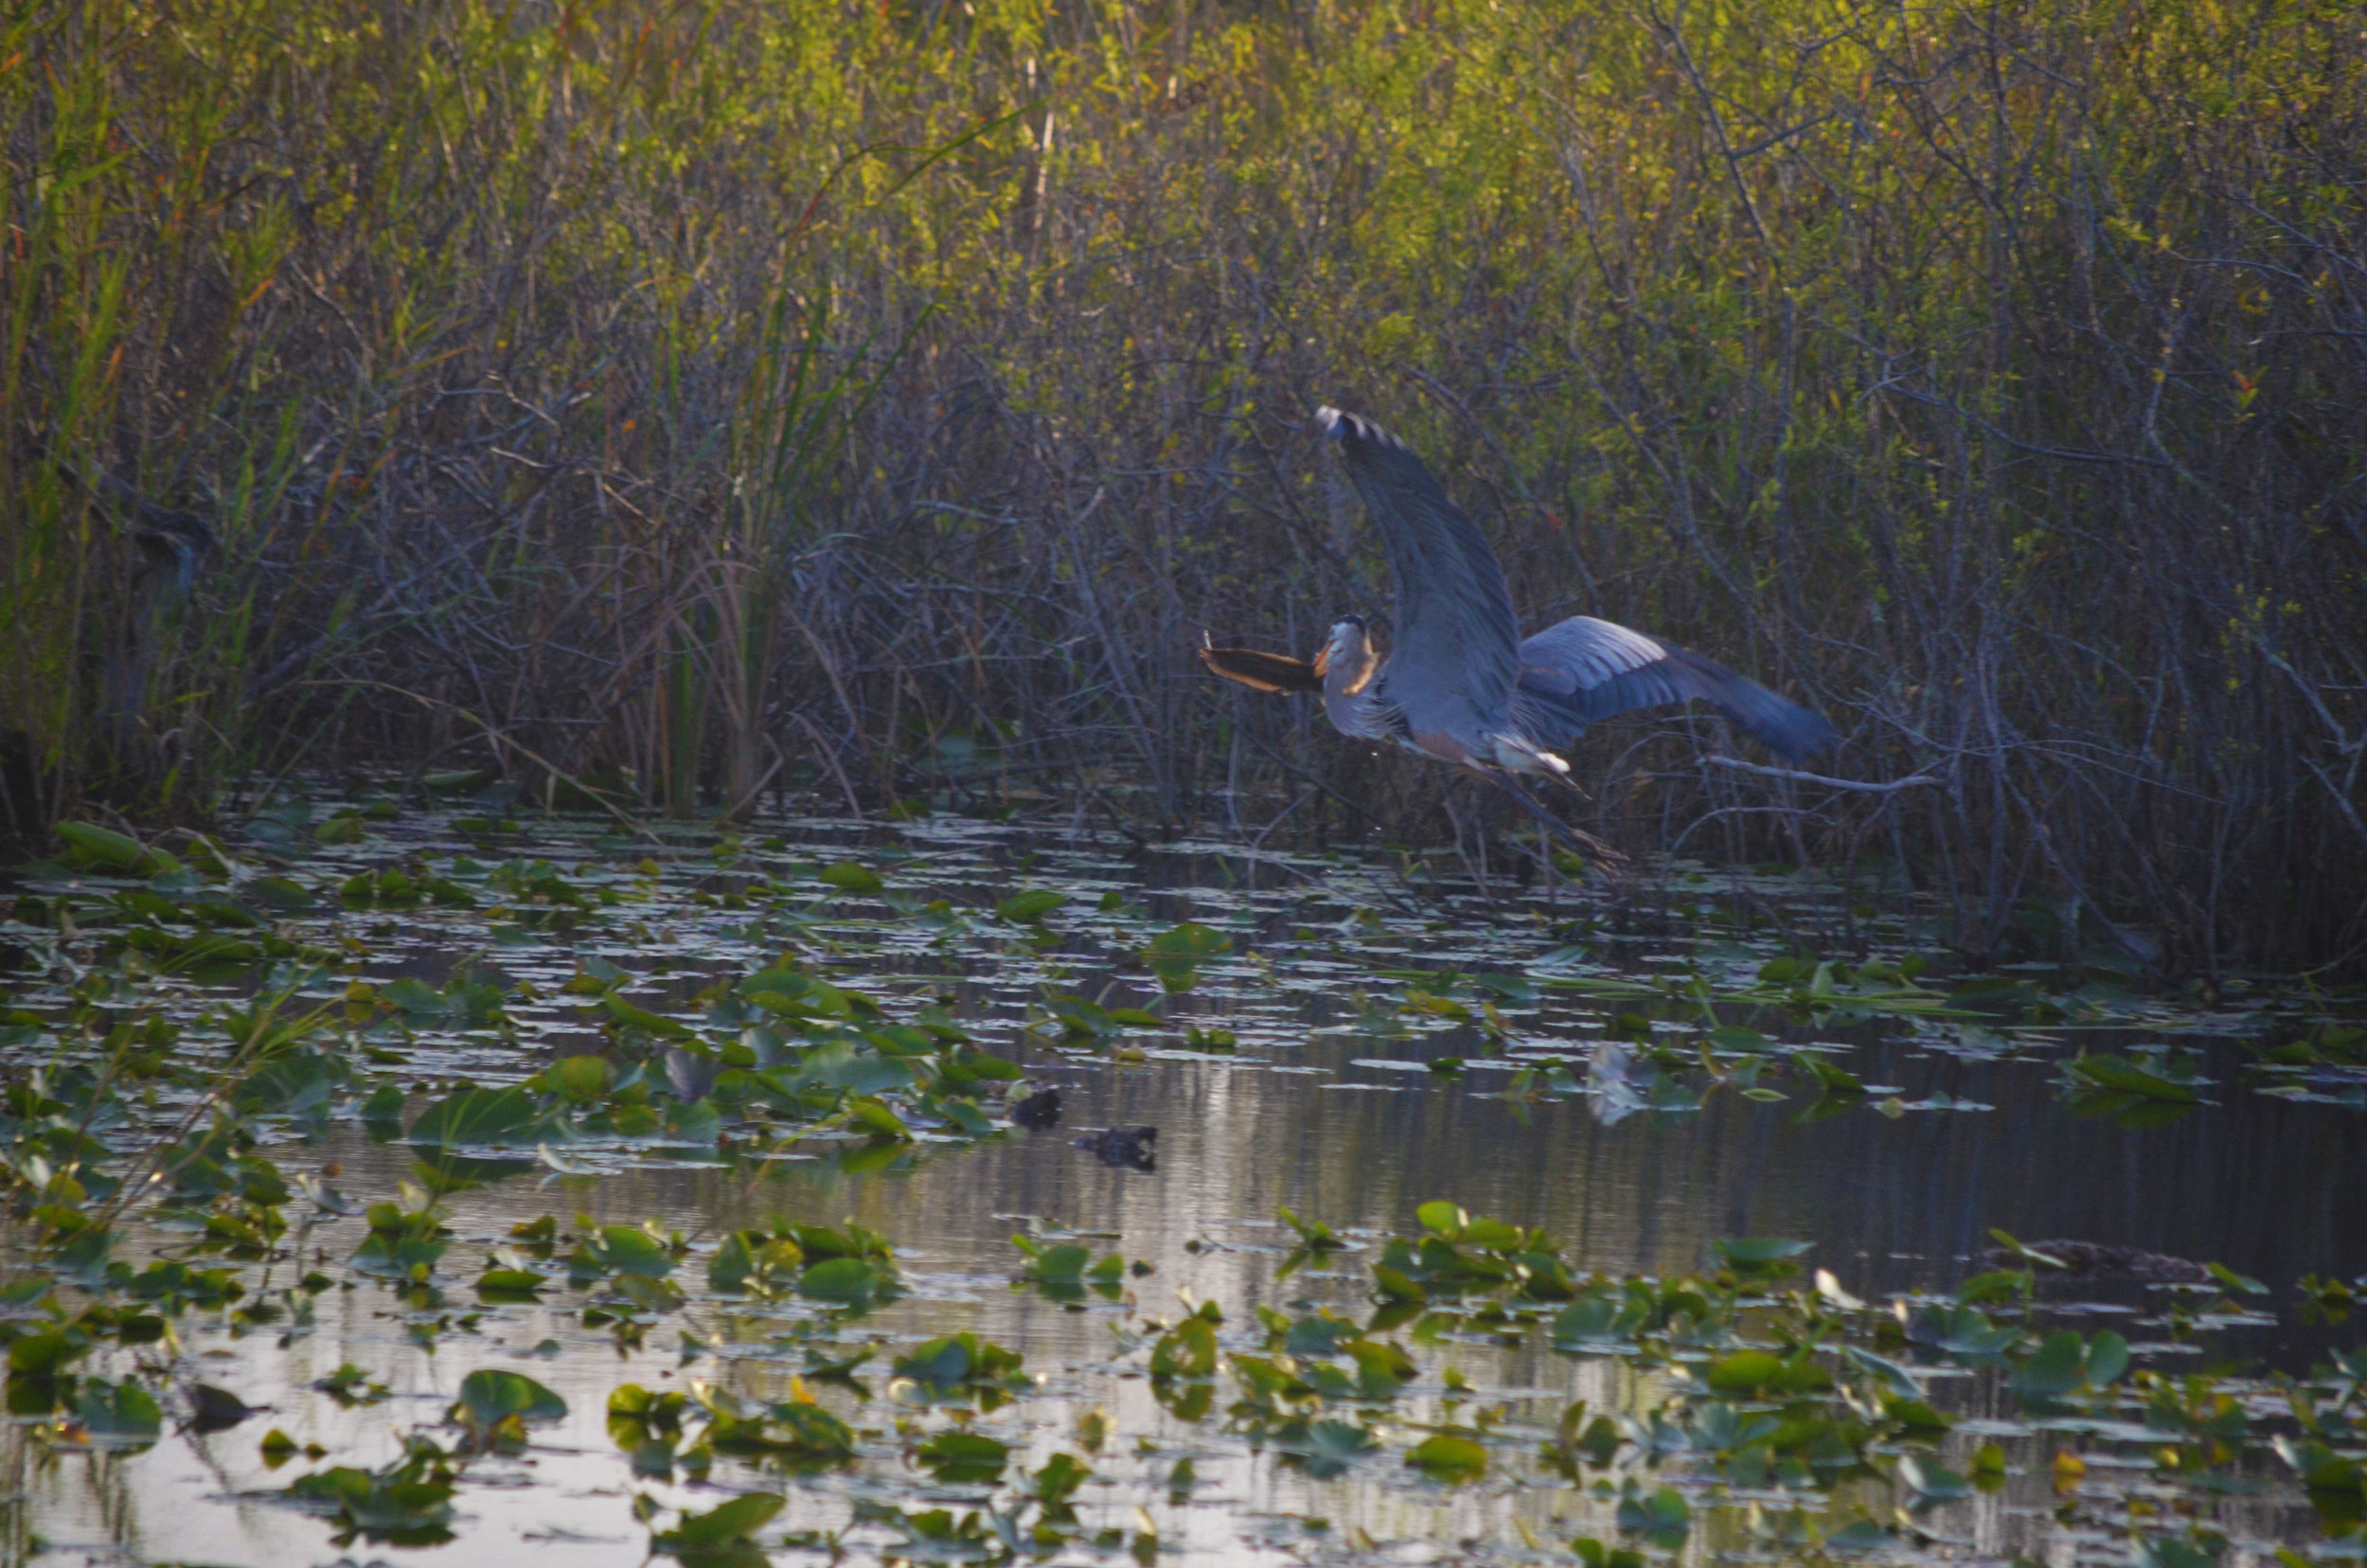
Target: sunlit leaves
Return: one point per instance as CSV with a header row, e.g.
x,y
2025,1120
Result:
x,y
1188,1351
797,1428
756,1262
1448,1456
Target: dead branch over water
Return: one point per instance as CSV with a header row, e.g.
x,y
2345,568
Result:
x,y
880,400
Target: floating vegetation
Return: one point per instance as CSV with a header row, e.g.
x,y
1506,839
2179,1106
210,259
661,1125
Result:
x,y
463,1179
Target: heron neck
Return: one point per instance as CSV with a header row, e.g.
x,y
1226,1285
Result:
x,y
1350,698
1351,673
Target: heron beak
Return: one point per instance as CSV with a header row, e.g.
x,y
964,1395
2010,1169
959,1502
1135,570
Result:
x,y
1323,659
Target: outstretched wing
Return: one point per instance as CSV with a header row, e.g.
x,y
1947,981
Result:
x,y
1261,671
1584,671
1452,647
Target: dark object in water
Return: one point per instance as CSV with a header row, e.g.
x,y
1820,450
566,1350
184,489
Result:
x,y
214,1409
1127,1148
1038,1110
2093,1260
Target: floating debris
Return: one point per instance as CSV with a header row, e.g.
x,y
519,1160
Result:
x,y
2095,1260
1126,1146
1038,1110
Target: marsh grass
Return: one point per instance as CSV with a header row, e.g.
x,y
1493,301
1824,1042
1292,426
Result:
x,y
685,403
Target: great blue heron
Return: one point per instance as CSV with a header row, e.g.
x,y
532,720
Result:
x,y
1459,685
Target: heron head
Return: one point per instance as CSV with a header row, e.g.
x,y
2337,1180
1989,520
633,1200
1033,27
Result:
x,y
1346,645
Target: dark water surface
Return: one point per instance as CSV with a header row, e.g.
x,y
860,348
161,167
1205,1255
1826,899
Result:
x,y
1897,1192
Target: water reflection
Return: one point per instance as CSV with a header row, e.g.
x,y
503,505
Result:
x,y
1293,1115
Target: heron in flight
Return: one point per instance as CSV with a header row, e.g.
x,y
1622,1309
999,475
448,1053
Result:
x,y
1459,685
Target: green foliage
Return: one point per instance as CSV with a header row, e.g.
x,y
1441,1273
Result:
x,y
497,1404
956,1368
406,1503
1764,294
724,1525
1175,956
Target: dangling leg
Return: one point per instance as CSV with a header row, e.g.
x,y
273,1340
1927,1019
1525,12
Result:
x,y
1582,842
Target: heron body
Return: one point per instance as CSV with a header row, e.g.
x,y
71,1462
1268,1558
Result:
x,y
1459,685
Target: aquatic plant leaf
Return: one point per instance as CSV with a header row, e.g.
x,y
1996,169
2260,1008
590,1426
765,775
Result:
x,y
851,1281
1331,1446
1447,1457
849,877
1662,1517
2057,1367
407,1503
1381,1368
117,1412
964,1456
2106,1358
510,1285
622,1250
104,847
1760,1257
1931,1480
1595,1555
753,1256
836,1065
956,1362
736,1521
876,1119
1030,907
1175,954
1832,1081
580,1080
1065,1263
473,1116
1188,1351
43,1354
1756,1371
1314,1235
490,1397
624,1015
2126,1078
293,1084
797,1427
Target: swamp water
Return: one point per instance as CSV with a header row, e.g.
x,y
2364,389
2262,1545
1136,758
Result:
x,y
422,1187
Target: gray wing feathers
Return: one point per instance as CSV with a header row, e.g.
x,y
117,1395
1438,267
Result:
x,y
1584,671
1451,658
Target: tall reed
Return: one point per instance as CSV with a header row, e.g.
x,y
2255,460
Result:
x,y
879,400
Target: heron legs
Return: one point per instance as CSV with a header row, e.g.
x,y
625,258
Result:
x,y
1580,842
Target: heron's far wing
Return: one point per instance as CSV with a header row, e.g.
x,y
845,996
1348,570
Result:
x,y
1262,671
1583,671
1452,643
